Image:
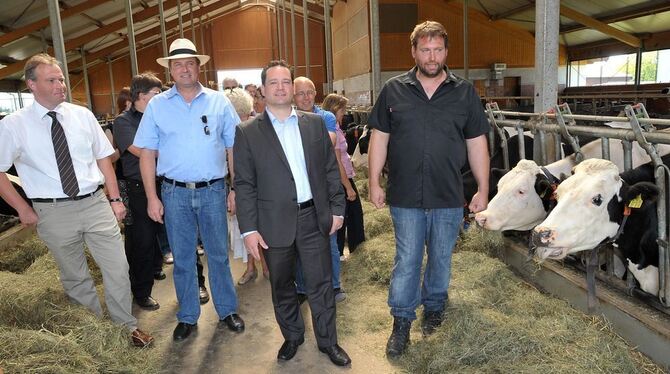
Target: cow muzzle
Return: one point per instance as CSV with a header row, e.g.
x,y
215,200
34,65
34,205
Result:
x,y
542,236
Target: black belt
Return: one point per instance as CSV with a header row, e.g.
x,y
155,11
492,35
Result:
x,y
191,185
306,204
61,199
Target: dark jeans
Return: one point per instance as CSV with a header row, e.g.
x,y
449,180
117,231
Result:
x,y
352,229
142,251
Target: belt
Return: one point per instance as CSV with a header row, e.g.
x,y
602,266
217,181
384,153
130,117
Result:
x,y
61,199
306,204
191,185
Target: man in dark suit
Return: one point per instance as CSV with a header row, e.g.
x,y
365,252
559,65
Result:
x,y
289,200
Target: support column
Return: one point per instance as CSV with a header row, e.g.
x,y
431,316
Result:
x,y
111,85
202,50
329,47
279,43
283,22
638,68
466,42
547,15
161,17
181,24
295,50
59,46
375,53
87,88
131,37
305,30
190,13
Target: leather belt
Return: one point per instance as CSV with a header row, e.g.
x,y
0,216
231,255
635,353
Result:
x,y
61,199
191,185
306,204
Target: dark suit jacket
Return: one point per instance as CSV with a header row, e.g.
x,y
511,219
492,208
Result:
x,y
264,186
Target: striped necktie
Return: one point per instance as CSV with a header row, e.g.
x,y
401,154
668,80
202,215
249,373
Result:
x,y
68,179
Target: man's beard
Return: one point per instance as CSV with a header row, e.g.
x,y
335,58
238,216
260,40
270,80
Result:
x,y
431,75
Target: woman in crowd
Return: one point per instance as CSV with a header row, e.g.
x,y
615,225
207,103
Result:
x,y
352,229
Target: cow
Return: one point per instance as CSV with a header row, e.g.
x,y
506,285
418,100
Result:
x,y
523,197
6,209
598,203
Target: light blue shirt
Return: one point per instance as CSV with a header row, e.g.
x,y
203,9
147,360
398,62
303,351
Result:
x,y
328,117
288,133
177,130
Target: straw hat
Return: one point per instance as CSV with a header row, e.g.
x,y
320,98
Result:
x,y
181,48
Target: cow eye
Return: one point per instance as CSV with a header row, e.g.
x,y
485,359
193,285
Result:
x,y
597,200
521,192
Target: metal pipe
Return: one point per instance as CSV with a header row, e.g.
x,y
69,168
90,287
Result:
x,y
543,149
558,148
466,73
587,117
283,22
329,47
627,155
605,145
638,68
522,143
293,42
375,52
181,24
202,47
59,46
190,13
305,30
111,84
19,97
86,85
279,37
161,17
131,37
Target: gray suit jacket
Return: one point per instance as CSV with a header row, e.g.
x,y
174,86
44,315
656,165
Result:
x,y
264,186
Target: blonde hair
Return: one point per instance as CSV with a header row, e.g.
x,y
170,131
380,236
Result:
x,y
35,61
334,102
241,100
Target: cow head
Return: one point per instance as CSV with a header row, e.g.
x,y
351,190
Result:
x,y
590,209
518,205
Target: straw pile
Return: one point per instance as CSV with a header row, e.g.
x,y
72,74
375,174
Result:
x,y
476,239
20,257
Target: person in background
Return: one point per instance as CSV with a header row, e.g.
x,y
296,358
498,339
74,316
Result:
x,y
193,162
304,95
62,158
353,229
229,83
142,250
427,124
243,102
259,103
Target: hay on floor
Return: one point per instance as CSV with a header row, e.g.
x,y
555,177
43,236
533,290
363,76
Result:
x,y
18,258
477,239
377,222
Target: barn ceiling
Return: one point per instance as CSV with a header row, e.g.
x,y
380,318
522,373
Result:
x,y
98,27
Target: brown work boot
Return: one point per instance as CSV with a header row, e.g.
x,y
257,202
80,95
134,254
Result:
x,y
141,339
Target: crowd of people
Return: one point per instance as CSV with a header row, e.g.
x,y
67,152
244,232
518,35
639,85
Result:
x,y
261,171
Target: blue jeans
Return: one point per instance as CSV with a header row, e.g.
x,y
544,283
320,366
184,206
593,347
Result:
x,y
188,211
335,257
416,229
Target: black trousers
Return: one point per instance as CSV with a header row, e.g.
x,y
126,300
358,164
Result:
x,y
353,229
142,250
313,249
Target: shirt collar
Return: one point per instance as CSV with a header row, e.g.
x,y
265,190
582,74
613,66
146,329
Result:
x,y
172,92
42,111
274,119
410,77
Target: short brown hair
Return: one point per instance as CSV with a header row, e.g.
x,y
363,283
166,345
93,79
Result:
x,y
124,96
35,61
334,102
430,29
143,83
272,64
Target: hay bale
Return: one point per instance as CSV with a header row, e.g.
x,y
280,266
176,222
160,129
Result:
x,y
362,187
18,258
477,239
367,207
377,222
46,266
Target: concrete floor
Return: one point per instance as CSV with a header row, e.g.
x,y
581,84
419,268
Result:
x,y
212,348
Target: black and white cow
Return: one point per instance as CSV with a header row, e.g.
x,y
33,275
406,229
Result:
x,y
5,209
523,195
592,204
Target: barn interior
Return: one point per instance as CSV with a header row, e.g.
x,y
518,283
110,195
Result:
x,y
543,67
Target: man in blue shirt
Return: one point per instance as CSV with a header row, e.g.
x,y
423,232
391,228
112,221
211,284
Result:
x,y
192,129
304,94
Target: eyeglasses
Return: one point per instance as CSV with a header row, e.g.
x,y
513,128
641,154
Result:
x,y
305,93
155,92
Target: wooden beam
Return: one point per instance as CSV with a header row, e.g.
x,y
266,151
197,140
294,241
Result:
x,y
511,12
44,22
624,14
600,26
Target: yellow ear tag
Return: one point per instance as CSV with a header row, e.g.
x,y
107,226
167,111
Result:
x,y
636,202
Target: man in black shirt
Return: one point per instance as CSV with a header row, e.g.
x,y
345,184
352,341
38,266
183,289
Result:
x,y
427,123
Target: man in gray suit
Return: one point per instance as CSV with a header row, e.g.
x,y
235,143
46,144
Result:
x,y
289,200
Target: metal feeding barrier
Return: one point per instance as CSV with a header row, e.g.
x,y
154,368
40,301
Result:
x,y
641,130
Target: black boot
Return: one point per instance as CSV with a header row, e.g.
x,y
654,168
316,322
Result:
x,y
431,321
399,337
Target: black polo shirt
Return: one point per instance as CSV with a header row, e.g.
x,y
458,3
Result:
x,y
427,146
125,127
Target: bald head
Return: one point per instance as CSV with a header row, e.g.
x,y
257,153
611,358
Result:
x,y
304,93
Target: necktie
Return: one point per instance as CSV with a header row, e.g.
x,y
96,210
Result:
x,y
68,179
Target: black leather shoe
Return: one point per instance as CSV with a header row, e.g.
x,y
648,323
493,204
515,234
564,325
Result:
x,y
159,275
399,337
289,349
183,330
302,298
147,303
337,355
234,322
204,295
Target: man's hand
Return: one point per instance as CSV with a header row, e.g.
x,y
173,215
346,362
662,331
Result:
x,y
155,210
377,196
351,194
253,242
28,216
478,203
231,202
337,223
119,210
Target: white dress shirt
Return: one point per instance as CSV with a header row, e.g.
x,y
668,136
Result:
x,y
25,141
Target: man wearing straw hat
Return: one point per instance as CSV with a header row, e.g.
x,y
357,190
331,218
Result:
x,y
192,129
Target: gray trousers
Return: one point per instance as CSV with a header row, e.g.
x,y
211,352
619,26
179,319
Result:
x,y
65,227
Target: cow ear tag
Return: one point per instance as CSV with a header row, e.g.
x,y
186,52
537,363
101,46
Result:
x,y
636,202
